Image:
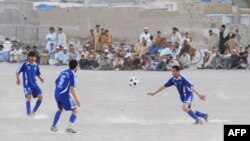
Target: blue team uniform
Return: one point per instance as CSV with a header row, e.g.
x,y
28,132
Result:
x,y
65,80
184,88
30,71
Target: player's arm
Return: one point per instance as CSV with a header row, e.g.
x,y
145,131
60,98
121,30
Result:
x,y
39,74
40,78
157,91
18,79
73,92
202,97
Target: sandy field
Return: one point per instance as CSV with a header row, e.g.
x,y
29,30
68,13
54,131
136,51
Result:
x,y
111,110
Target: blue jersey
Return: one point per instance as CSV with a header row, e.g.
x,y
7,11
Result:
x,y
30,71
64,81
182,84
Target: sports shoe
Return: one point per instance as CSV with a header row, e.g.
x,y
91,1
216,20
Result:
x,y
53,129
70,130
198,121
206,117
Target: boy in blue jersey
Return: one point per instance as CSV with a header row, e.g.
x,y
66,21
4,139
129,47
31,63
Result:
x,y
30,70
65,84
185,89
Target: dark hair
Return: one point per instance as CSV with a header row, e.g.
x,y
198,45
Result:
x,y
224,26
210,31
51,28
73,64
60,28
1,46
97,25
31,54
158,31
233,35
177,68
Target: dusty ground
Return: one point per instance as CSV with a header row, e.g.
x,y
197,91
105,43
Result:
x,y
112,111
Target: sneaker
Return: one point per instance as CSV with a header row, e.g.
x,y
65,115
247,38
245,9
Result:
x,y
206,117
198,121
70,130
53,129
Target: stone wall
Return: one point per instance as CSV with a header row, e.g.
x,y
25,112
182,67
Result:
x,y
19,21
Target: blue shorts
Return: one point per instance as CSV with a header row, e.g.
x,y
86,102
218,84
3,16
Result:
x,y
66,103
188,98
34,90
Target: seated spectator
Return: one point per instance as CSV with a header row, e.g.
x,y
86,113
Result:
x,y
128,64
79,54
159,39
92,53
176,50
85,52
146,62
217,62
141,47
242,61
83,63
206,60
44,57
92,63
153,49
63,57
12,54
26,52
105,64
185,60
226,58
186,48
248,60
154,63
165,51
72,53
4,57
234,60
118,62
137,62
161,66
171,63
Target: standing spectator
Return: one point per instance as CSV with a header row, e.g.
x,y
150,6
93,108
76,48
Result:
x,y
224,37
175,36
91,38
61,38
232,44
159,39
238,36
97,35
212,40
145,35
109,37
50,38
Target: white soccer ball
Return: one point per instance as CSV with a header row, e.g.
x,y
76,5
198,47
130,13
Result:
x,y
133,81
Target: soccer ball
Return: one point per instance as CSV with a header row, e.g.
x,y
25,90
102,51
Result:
x,y
133,81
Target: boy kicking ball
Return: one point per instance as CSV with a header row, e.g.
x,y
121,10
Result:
x,y
185,89
65,84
